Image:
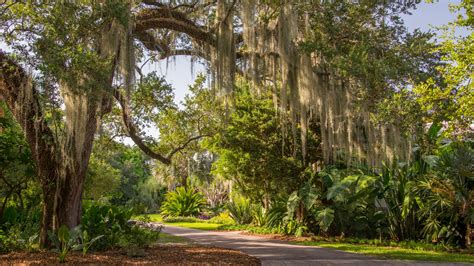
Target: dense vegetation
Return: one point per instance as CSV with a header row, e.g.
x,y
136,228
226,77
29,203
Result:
x,y
384,153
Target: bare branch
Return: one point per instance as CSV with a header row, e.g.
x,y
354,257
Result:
x,y
132,131
186,143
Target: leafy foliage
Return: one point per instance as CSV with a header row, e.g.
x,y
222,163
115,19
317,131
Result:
x,y
250,149
102,181
182,202
222,218
111,222
445,97
240,210
65,241
447,195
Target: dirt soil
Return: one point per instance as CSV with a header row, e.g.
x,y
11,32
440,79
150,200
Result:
x,y
280,237
157,255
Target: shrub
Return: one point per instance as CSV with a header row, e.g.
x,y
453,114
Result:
x,y
19,229
276,215
4,242
222,218
240,210
259,215
138,238
109,221
182,202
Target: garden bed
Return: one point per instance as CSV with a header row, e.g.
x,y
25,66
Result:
x,y
157,255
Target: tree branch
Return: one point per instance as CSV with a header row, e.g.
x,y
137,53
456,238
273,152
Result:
x,y
186,143
133,133
153,18
22,98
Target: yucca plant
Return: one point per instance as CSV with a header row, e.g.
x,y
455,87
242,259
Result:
x,y
182,202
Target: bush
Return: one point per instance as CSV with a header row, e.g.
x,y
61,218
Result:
x,y
138,238
222,218
113,224
259,215
240,210
182,202
19,229
276,215
109,221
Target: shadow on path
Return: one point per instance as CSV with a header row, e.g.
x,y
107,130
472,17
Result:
x,y
276,252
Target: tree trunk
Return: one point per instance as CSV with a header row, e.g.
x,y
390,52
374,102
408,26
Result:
x,y
47,221
60,164
468,234
68,207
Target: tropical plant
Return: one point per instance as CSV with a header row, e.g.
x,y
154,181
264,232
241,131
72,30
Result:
x,y
398,200
240,210
259,215
447,195
182,202
87,242
276,214
334,198
111,222
66,240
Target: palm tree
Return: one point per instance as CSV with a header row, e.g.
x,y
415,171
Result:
x,y
447,192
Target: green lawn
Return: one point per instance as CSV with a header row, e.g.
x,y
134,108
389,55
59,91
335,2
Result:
x,y
199,226
153,217
394,252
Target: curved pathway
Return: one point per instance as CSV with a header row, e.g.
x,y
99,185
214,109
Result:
x,y
275,252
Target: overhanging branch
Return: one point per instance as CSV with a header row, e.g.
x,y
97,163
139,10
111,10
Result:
x,y
22,99
133,133
156,18
185,144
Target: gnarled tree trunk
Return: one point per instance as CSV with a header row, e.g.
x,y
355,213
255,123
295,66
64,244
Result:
x,y
22,99
61,164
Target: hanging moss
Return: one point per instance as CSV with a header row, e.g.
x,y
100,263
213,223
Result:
x,y
305,90
225,61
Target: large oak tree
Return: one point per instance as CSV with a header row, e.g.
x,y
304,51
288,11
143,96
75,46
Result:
x,y
72,62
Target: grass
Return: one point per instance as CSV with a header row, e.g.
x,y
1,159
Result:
x,y
153,217
199,226
394,252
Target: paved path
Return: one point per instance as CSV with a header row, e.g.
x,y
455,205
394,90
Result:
x,y
275,252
